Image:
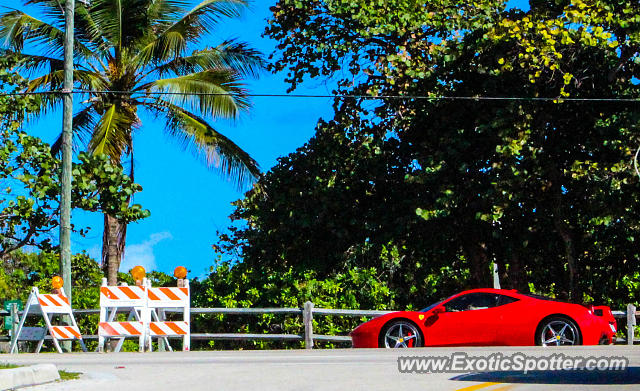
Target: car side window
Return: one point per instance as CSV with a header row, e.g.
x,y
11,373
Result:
x,y
477,301
502,300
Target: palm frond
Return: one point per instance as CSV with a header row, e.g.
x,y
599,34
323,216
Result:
x,y
108,24
18,28
35,63
168,45
124,24
52,9
163,13
204,16
87,30
84,122
219,92
48,103
237,56
112,134
218,151
87,80
171,39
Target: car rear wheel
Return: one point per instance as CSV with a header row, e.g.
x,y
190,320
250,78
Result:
x,y
558,331
400,334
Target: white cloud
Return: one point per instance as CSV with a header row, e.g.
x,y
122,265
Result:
x,y
95,252
142,253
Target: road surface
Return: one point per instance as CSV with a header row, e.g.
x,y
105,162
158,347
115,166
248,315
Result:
x,y
338,369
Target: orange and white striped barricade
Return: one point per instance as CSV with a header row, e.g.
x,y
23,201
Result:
x,y
161,299
117,298
48,305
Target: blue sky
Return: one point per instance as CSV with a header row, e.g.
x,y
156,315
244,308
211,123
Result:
x,y
189,202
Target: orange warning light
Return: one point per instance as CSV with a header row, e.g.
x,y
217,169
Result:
x,y
180,272
137,273
57,282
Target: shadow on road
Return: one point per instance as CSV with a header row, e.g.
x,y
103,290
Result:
x,y
630,375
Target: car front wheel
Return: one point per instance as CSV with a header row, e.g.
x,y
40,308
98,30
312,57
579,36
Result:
x,y
400,334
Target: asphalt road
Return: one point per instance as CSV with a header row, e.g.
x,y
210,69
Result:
x,y
339,369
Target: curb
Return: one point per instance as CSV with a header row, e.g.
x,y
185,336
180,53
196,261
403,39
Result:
x,y
28,376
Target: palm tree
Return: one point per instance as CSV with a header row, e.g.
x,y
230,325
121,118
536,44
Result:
x,y
132,55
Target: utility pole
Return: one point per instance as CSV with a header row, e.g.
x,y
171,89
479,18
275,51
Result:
x,y
67,135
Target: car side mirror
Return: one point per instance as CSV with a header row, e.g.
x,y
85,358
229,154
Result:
x,y
438,310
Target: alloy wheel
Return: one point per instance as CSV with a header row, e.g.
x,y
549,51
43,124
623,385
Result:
x,y
402,335
559,332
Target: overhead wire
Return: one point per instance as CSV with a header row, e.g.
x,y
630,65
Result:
x,y
331,96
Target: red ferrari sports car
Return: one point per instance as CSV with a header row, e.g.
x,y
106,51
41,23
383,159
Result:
x,y
490,317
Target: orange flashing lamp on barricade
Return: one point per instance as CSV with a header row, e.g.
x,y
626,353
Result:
x,y
138,273
180,273
57,283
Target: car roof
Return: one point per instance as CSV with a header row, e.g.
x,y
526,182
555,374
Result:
x,y
507,292
491,290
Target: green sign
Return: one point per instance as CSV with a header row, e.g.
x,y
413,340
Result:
x,y
8,320
8,303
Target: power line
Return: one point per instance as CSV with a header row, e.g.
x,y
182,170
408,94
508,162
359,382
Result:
x,y
335,96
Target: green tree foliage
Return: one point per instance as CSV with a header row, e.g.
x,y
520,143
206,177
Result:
x,y
342,202
245,286
347,178
22,270
31,190
544,188
128,53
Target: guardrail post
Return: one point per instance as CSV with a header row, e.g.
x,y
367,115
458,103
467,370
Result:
x,y
15,319
631,322
307,319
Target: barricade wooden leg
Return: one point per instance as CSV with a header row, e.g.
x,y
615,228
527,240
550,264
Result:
x,y
14,338
82,345
144,343
118,346
186,316
100,344
57,345
39,347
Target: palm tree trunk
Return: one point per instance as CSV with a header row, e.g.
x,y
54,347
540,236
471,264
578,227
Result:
x,y
113,241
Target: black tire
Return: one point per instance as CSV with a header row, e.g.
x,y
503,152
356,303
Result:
x,y
412,336
558,330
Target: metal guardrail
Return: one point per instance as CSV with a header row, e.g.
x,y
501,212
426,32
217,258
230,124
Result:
x,y
307,313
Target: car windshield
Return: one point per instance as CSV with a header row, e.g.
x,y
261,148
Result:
x,y
432,306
